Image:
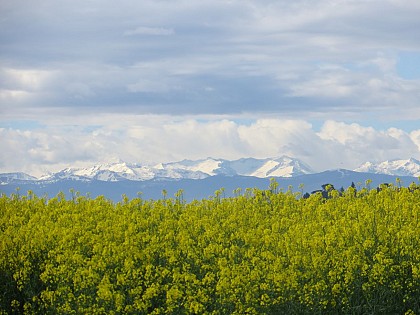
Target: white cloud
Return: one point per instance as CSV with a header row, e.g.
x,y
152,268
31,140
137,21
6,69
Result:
x,y
106,67
344,133
14,96
22,86
153,139
415,137
357,143
26,79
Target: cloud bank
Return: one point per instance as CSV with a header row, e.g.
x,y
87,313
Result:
x,y
212,57
333,82
151,140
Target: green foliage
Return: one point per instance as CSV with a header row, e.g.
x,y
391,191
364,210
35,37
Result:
x,y
260,252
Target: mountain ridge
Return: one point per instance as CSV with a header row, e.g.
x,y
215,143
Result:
x,y
399,167
196,189
282,166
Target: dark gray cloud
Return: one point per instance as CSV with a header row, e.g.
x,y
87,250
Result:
x,y
209,57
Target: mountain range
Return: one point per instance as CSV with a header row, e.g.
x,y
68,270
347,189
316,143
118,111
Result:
x,y
410,167
200,178
187,169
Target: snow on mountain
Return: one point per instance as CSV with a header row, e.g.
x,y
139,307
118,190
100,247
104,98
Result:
x,y
246,166
18,176
116,172
104,172
191,169
280,167
198,177
125,171
67,173
199,169
410,167
186,169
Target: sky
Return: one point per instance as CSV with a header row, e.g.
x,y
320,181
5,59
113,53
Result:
x,y
334,83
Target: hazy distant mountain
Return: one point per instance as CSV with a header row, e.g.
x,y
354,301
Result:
x,y
201,178
271,167
198,188
280,167
7,177
103,172
275,167
410,167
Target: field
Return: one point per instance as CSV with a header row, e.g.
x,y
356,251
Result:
x,y
260,252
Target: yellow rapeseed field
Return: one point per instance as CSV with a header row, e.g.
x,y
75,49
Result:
x,y
260,252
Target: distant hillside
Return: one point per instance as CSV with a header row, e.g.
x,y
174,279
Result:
x,y
197,188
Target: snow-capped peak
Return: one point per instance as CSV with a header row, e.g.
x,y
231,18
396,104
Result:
x,y
104,172
207,166
283,166
187,169
16,176
121,168
398,167
271,167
